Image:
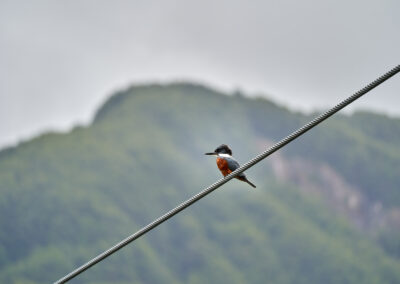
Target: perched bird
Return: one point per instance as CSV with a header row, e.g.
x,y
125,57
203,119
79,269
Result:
x,y
227,164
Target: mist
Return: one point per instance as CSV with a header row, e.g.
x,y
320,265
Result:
x,y
60,60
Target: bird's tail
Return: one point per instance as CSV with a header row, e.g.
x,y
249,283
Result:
x,y
246,180
250,183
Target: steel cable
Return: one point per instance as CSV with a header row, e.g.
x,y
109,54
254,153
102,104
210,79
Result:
x,y
219,183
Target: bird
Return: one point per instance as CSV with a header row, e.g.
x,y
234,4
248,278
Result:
x,y
227,164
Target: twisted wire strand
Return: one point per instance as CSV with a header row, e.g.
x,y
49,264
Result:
x,y
232,175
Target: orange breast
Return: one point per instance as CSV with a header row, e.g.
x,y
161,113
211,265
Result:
x,y
223,166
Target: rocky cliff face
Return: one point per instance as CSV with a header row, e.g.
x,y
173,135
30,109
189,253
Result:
x,y
322,181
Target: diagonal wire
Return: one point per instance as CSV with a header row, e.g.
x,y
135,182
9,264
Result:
x,y
219,183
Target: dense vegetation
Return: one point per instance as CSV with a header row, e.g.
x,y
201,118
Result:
x,y
64,198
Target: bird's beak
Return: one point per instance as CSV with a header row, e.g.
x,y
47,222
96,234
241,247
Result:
x,y
211,153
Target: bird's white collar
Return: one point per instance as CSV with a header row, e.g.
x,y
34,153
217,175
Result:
x,y
224,155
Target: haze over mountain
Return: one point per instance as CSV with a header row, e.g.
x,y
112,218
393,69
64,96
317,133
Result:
x,y
60,59
326,208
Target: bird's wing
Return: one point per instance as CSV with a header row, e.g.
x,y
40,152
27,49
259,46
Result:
x,y
233,164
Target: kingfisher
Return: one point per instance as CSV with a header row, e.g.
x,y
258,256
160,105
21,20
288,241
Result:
x,y
227,164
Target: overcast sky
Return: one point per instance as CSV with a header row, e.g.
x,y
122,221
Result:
x,y
60,59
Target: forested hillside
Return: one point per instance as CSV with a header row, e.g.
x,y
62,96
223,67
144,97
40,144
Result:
x,y
326,208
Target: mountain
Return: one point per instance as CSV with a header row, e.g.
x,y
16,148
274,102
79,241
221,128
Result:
x,y
326,207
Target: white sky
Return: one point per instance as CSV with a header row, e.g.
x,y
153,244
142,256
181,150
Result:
x,y
59,59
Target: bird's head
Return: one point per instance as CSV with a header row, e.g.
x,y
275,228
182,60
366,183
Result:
x,y
222,149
